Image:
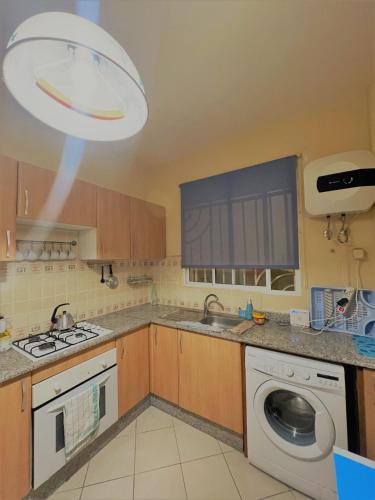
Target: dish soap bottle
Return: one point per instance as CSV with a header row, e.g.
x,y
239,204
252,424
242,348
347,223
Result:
x,y
249,309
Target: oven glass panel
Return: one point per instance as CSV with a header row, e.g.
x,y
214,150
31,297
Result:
x,y
102,405
60,438
291,417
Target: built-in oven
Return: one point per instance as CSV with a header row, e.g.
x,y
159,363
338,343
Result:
x,y
48,398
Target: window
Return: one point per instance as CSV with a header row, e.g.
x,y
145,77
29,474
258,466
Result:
x,y
243,219
274,281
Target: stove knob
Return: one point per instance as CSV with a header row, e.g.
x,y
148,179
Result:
x,y
306,376
289,372
104,364
57,389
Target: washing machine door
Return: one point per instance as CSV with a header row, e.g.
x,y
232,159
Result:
x,y
295,420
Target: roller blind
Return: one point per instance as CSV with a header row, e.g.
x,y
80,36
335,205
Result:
x,y
242,219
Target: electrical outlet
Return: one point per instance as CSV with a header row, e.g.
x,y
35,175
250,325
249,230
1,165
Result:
x,y
359,253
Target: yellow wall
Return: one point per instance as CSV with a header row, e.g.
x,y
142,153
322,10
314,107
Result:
x,y
343,126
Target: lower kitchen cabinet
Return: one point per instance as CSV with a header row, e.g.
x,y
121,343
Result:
x,y
369,412
164,362
133,369
15,439
210,381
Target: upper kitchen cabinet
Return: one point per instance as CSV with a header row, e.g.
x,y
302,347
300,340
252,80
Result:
x,y
147,229
113,227
111,238
8,197
46,196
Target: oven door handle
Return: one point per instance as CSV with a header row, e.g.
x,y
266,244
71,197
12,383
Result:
x,y
54,409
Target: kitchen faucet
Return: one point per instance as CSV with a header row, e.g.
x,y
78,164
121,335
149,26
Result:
x,y
206,305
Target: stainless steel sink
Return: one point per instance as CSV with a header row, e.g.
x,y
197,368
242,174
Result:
x,y
220,321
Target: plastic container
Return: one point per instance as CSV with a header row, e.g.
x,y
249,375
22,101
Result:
x,y
259,317
361,320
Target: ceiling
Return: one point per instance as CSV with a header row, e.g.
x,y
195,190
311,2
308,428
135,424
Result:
x,y
211,69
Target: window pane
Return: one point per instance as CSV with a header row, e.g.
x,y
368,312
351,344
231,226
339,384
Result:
x,y
283,279
250,277
223,276
200,275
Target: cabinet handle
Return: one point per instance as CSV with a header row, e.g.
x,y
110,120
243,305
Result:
x,y
181,343
156,336
123,348
8,243
26,201
23,391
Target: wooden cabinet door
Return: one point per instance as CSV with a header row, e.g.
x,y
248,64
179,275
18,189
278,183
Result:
x,y
369,412
44,195
80,207
147,226
211,379
164,362
8,201
133,369
113,225
15,439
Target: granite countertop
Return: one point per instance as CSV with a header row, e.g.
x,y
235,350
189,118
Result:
x,y
329,346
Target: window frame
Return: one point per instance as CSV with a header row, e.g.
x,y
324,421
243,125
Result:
x,y
249,288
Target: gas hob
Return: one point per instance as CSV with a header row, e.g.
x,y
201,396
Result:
x,y
46,344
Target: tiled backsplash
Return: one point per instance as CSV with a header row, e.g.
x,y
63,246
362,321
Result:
x,y
30,290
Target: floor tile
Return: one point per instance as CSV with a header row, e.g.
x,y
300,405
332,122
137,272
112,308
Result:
x,y
288,495
161,484
66,495
76,481
177,421
300,496
194,444
119,489
129,430
251,482
156,449
224,447
114,461
153,419
209,479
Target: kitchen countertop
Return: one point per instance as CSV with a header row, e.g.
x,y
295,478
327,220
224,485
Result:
x,y
329,346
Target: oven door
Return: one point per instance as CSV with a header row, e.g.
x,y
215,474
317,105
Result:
x,y
48,425
295,420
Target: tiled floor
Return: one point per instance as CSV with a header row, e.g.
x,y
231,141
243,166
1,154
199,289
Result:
x,y
160,457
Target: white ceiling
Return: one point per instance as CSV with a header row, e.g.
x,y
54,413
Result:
x,y
211,69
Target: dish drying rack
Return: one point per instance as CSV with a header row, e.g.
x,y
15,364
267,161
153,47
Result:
x,y
139,280
358,322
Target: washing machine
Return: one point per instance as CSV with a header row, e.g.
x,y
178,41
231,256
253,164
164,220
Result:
x,y
296,414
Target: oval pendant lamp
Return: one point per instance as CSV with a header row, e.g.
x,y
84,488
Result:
x,y
72,75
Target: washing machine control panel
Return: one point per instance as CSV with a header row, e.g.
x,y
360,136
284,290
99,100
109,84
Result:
x,y
300,374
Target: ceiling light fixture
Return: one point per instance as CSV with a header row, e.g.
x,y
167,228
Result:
x,y
72,75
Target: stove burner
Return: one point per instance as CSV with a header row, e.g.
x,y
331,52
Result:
x,y
47,345
44,344
35,338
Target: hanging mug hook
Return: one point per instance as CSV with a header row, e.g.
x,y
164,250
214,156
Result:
x,y
343,234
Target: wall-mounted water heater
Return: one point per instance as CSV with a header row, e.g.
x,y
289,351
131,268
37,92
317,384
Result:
x,y
340,183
